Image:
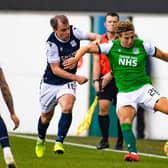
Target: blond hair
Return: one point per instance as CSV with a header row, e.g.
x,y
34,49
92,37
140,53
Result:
x,y
123,26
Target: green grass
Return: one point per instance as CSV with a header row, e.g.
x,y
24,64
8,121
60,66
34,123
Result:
x,y
78,157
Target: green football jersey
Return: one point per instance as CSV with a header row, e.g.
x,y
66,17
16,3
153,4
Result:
x,y
129,65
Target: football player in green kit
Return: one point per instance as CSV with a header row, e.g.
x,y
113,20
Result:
x,y
128,57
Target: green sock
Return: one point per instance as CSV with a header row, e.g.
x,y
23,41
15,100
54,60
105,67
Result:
x,y
129,137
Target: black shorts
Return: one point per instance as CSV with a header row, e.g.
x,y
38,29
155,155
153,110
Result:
x,y
109,93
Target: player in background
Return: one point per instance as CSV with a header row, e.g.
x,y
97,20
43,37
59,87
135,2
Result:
x,y
58,85
4,138
101,67
128,57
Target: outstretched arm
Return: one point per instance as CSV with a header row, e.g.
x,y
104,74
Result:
x,y
67,75
8,98
91,48
96,72
94,37
161,55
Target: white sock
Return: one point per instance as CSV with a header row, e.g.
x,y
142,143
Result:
x,y
7,153
41,140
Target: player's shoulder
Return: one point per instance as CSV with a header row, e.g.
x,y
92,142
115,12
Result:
x,y
104,38
75,29
138,40
116,42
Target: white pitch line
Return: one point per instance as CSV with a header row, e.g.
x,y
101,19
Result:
x,y
87,146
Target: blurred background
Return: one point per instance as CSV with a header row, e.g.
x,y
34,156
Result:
x,y
24,29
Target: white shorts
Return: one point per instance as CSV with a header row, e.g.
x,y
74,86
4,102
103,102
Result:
x,y
49,94
145,96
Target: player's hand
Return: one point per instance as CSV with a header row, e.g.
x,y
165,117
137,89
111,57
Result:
x,y
69,63
81,79
106,79
15,120
97,86
71,66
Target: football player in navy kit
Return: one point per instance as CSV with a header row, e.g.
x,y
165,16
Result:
x,y
58,85
4,138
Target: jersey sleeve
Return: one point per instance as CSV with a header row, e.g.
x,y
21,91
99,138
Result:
x,y
105,47
149,48
52,53
79,34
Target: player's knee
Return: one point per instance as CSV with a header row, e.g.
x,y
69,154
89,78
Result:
x,y
103,113
45,119
104,110
124,119
67,108
162,105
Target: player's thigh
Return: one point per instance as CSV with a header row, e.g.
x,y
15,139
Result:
x,y
66,102
104,106
126,114
162,105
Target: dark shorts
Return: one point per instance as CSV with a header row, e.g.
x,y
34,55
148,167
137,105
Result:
x,y
109,93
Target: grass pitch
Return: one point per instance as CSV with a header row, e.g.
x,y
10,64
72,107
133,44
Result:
x,y
84,156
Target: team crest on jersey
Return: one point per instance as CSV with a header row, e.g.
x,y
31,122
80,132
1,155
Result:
x,y
136,51
119,50
61,48
73,43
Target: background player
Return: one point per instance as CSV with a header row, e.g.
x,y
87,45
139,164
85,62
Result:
x,y
4,139
100,69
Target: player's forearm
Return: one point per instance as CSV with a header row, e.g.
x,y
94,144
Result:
x,y
96,69
64,74
165,57
94,36
8,98
92,48
162,55
81,52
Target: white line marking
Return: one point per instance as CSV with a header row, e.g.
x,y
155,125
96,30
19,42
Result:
x,y
87,146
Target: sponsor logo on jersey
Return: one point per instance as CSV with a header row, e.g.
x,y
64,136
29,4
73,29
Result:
x,y
126,60
73,43
136,51
61,48
64,57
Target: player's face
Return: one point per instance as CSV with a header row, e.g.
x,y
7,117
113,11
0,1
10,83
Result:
x,y
110,22
127,39
63,31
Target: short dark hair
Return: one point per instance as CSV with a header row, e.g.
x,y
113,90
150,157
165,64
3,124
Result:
x,y
54,21
112,14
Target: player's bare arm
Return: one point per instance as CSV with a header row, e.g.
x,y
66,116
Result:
x,y
6,92
93,36
92,48
161,55
64,74
96,72
8,98
106,79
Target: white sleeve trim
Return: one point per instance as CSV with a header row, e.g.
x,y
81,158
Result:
x,y
105,47
52,53
149,48
79,34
